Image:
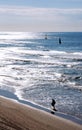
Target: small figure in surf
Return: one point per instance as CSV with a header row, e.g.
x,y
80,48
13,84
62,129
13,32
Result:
x,y
59,40
46,36
53,106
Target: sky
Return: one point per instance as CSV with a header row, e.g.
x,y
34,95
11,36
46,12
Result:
x,y
41,15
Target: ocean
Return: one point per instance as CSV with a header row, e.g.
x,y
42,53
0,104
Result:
x,y
37,69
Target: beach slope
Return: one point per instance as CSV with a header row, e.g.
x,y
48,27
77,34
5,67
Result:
x,y
16,116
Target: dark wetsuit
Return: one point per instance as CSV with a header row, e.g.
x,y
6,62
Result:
x,y
53,105
53,102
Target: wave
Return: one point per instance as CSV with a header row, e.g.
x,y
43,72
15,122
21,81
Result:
x,y
77,60
77,53
74,85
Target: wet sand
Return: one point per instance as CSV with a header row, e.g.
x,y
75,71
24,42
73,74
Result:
x,y
16,116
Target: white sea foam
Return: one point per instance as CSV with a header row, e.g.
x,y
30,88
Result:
x,y
78,53
57,52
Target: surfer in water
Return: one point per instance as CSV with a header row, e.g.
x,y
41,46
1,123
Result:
x,y
59,40
53,106
46,37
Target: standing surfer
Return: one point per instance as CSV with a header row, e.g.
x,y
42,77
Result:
x,y
59,40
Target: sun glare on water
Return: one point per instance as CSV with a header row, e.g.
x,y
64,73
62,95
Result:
x,y
17,35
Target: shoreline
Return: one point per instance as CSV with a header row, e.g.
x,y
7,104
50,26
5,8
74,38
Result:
x,y
17,116
8,95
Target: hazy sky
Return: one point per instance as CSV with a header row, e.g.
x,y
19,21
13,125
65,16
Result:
x,y
41,15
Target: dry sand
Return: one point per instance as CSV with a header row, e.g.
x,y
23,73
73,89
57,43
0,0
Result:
x,y
16,116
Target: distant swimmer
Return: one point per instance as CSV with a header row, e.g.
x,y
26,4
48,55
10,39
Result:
x,y
53,109
46,37
59,40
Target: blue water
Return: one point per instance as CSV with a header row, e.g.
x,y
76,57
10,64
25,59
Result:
x,y
38,70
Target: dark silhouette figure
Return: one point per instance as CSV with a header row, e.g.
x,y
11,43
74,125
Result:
x,y
46,37
53,106
59,40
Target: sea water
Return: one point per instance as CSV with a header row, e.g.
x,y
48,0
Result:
x,y
39,69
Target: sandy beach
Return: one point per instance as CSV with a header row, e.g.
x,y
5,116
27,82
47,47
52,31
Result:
x,y
16,116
